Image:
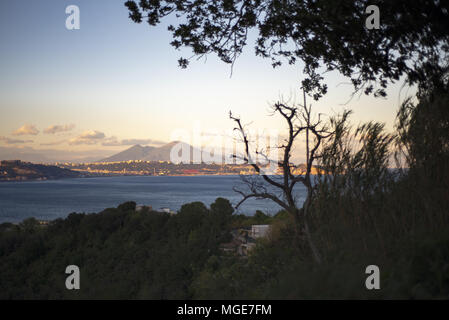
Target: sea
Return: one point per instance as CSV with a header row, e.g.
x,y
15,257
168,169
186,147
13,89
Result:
x,y
52,199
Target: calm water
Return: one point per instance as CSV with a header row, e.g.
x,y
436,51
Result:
x,y
57,198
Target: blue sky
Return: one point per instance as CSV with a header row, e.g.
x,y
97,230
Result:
x,y
121,79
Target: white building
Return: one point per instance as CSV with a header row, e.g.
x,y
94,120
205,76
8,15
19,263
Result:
x,y
259,230
141,207
167,210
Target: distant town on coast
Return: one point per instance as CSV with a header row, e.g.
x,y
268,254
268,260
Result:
x,y
135,161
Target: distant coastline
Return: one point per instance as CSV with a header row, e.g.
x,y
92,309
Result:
x,y
19,171
16,170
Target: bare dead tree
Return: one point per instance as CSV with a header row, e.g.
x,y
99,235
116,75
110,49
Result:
x,y
300,121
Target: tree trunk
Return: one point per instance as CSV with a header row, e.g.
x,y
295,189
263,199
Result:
x,y
303,221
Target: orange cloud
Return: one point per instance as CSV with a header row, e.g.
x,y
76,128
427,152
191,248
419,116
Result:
x,y
14,141
25,130
57,128
88,137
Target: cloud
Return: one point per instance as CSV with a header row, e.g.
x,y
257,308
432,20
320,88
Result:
x,y
14,141
27,129
58,128
53,143
94,137
113,141
88,137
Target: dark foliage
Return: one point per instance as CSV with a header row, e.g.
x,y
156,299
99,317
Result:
x,y
362,213
413,38
121,253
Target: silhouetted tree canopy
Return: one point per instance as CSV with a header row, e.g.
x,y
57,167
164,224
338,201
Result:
x,y
413,38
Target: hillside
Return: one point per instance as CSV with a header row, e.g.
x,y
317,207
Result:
x,y
17,170
155,255
136,152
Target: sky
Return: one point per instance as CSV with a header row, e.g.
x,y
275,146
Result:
x,y
114,83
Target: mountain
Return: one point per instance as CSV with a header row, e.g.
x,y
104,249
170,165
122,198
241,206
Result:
x,y
162,153
136,152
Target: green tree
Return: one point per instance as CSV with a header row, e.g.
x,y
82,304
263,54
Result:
x,y
413,38
423,132
221,211
127,206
